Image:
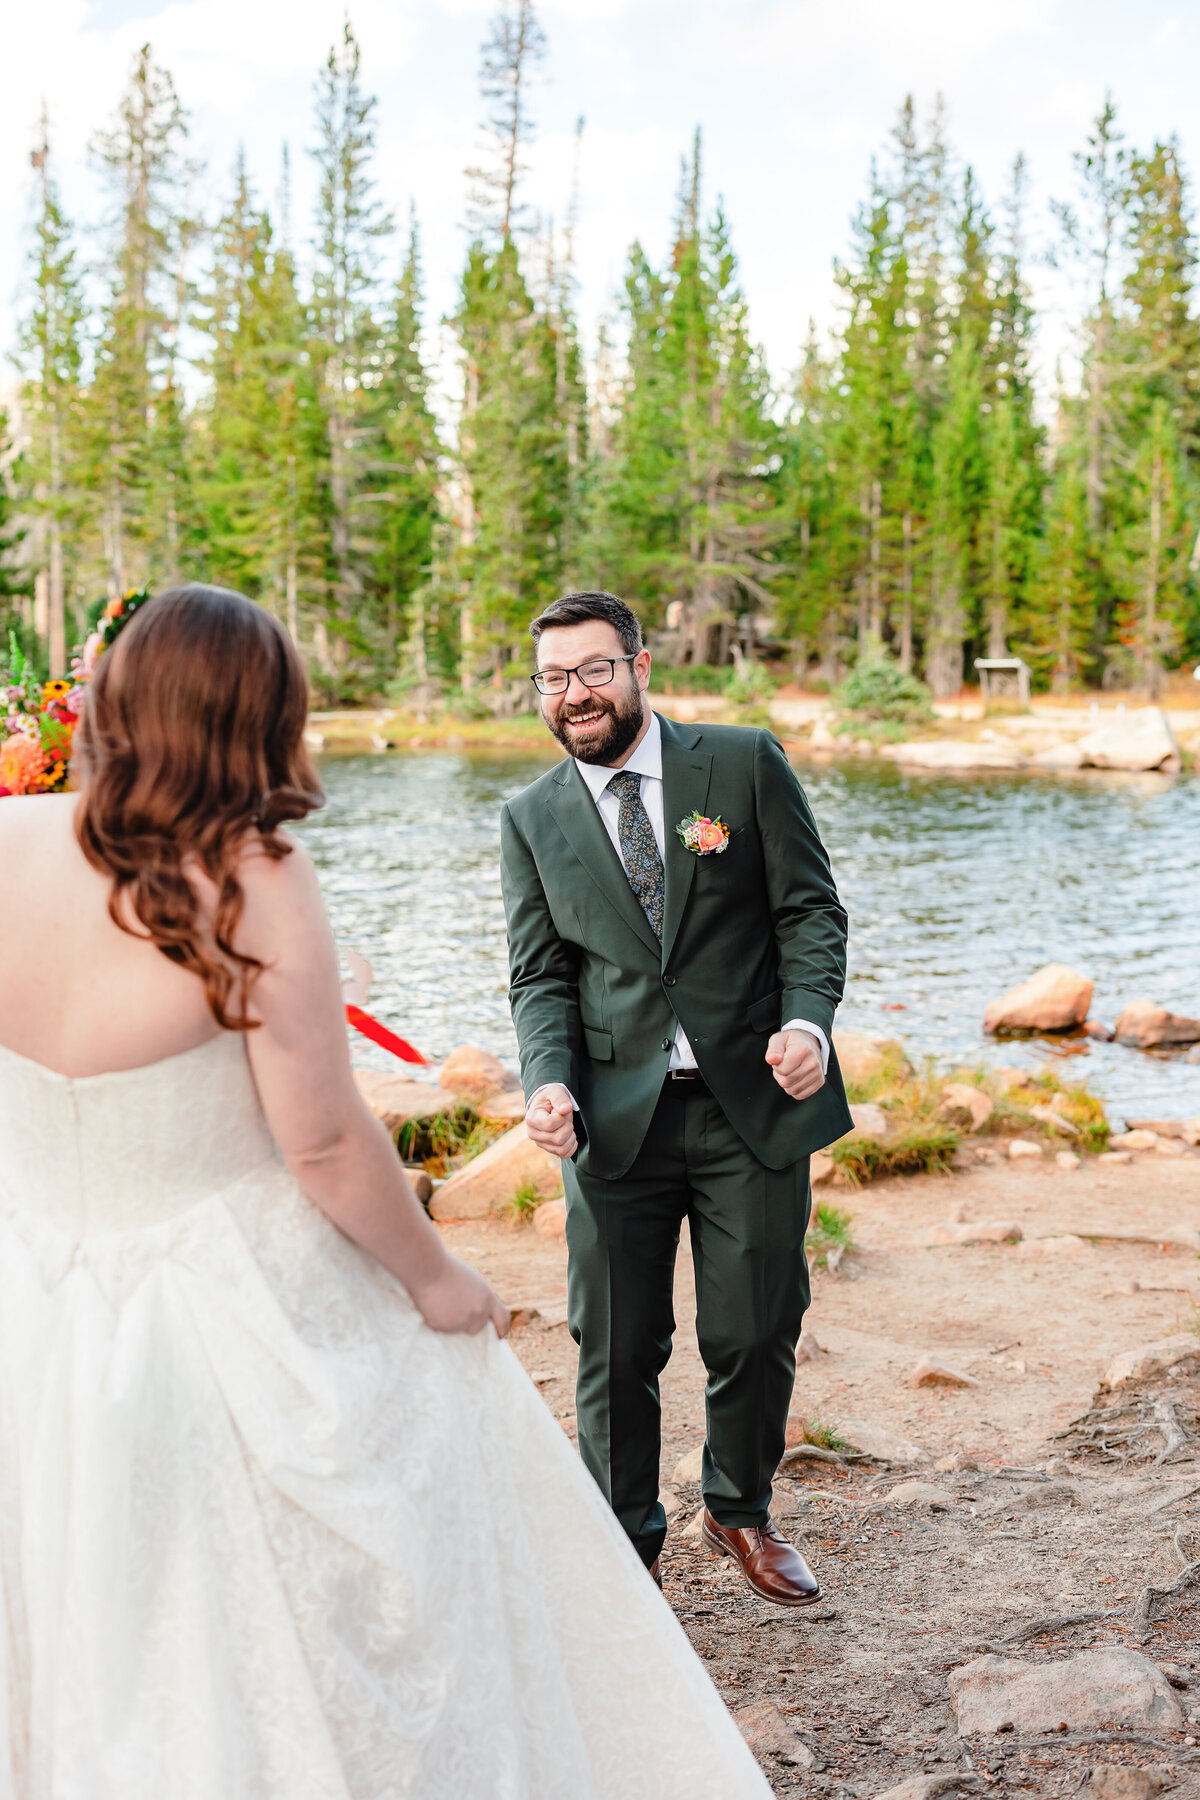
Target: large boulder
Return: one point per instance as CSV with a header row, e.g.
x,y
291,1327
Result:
x,y
878,1442
861,1056
1055,999
490,1182
1059,756
395,1100
1145,1026
949,754
1152,1359
1098,1687
1142,739
870,1121
474,1074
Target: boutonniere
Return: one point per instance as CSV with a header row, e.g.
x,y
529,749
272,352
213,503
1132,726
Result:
x,y
703,837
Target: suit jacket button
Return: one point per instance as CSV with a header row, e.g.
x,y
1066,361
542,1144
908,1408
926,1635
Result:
x,y
666,1043
668,981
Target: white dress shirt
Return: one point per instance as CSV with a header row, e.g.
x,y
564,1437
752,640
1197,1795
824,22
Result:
x,y
646,761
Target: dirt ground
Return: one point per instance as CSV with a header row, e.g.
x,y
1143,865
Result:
x,y
911,1594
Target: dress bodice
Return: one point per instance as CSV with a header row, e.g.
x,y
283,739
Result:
x,y
131,1148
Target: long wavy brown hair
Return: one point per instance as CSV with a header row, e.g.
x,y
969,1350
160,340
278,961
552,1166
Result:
x,y
191,740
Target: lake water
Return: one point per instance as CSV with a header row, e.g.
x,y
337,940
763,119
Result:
x,y
956,889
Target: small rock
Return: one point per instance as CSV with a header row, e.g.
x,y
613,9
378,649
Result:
x,y
1144,1026
1117,1685
1133,1140
820,1168
921,1494
550,1220
1020,1147
1041,1494
808,1350
694,1530
1055,999
1065,1245
1169,1147
1115,1156
1117,1781
420,1183
883,1445
959,1462
488,1182
981,1231
1049,1115
926,1787
930,1372
1186,1130
768,1733
1095,1028
1067,1159
1007,1079
821,738
474,1074
668,1499
1139,740
689,1468
869,1121
860,1056
395,1100
961,1097
1152,1359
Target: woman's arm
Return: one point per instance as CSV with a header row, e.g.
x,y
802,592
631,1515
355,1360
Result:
x,y
340,1154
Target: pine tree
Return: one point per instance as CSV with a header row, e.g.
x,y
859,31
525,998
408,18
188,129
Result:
x,y
51,345
350,224
133,411
1152,576
403,484
1056,623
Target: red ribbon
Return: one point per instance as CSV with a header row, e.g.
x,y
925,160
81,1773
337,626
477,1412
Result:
x,y
387,1040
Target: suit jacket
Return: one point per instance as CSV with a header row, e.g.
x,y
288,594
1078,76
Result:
x,y
751,936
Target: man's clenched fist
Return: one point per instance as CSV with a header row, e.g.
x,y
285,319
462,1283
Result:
x,y
550,1121
795,1057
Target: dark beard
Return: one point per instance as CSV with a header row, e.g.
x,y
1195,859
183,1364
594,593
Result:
x,y
624,723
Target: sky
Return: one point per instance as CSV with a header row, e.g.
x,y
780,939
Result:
x,y
793,97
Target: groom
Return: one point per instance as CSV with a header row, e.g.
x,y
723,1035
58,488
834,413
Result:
x,y
673,1000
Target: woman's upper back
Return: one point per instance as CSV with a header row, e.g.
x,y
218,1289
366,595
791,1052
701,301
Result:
x,y
78,994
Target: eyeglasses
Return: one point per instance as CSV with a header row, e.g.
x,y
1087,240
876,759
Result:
x,y
596,673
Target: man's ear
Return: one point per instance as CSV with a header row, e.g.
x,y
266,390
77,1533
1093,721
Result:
x,y
641,669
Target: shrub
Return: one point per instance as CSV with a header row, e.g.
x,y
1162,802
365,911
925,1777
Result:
x,y
881,690
825,1437
827,1228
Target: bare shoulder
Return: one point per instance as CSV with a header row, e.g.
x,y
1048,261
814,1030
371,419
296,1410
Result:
x,y
282,894
34,827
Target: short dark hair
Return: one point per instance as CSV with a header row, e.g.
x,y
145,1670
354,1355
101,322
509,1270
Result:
x,y
577,609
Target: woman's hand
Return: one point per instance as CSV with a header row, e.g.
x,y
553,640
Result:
x,y
459,1299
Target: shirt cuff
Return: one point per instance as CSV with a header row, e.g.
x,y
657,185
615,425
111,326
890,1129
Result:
x,y
813,1031
570,1095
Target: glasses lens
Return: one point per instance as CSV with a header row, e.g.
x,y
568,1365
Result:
x,y
552,681
596,674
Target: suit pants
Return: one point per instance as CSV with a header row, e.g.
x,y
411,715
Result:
x,y
747,1225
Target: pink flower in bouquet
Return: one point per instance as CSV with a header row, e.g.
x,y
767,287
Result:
x,y
91,653
709,836
22,763
74,700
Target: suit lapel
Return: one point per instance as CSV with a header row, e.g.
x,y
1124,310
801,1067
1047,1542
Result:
x,y
686,775
581,825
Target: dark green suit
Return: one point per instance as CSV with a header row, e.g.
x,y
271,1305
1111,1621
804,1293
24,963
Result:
x,y
752,937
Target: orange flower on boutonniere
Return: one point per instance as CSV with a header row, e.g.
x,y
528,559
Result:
x,y
702,836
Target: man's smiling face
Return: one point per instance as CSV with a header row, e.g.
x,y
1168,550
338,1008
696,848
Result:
x,y
599,724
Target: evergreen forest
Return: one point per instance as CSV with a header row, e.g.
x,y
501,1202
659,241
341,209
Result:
x,y
233,397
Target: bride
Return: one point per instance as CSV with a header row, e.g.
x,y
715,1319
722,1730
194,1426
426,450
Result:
x,y
280,1516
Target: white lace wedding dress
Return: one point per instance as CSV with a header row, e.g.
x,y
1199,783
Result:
x,y
263,1535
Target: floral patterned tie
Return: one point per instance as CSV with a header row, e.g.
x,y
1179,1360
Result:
x,y
639,852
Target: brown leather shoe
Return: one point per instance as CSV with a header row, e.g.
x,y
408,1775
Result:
x,y
656,1573
770,1564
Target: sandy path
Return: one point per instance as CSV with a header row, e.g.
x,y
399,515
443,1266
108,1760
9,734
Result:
x,y
863,1680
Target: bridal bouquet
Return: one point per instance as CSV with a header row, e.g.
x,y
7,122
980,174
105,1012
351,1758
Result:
x,y
37,723
38,718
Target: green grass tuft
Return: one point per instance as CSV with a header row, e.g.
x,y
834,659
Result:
x,y
824,1437
524,1202
460,1133
827,1228
921,1150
